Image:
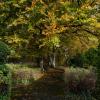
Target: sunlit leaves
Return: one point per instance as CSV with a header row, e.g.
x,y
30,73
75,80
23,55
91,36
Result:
x,y
53,41
14,39
22,1
20,20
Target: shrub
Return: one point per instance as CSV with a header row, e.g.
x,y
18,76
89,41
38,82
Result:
x,y
91,56
4,74
87,58
76,60
5,82
4,52
79,79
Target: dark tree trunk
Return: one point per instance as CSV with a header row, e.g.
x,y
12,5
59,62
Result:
x,y
44,63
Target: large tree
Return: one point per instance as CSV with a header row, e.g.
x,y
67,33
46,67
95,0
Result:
x,y
45,28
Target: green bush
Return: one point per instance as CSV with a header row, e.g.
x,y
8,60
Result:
x,y
4,52
77,60
4,74
5,82
89,58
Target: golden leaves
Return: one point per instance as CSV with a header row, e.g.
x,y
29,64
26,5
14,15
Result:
x,y
86,6
67,17
20,20
14,39
33,3
97,25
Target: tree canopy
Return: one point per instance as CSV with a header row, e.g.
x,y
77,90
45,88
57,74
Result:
x,y
39,27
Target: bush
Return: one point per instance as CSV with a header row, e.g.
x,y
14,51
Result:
x,y
5,82
4,74
79,79
87,58
4,52
77,60
91,57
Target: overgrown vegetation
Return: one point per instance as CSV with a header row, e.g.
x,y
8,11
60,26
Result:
x,y
88,59
38,37
79,80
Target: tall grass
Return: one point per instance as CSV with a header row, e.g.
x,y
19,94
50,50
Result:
x,y
22,74
80,81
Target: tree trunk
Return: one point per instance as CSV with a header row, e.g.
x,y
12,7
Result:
x,y
44,64
41,64
54,60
